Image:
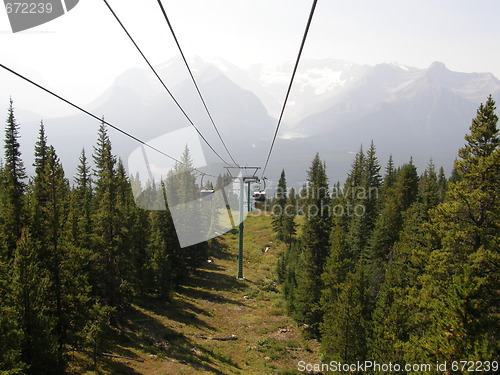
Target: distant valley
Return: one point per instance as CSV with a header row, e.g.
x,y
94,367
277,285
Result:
x,y
334,107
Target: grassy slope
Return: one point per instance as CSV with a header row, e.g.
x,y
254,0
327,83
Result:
x,y
175,337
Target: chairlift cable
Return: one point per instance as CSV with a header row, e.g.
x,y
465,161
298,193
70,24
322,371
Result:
x,y
290,85
97,118
163,84
193,79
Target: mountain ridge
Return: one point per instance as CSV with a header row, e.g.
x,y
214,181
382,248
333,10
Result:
x,y
421,112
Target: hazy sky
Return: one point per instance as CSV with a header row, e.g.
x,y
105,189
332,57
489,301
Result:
x,y
79,54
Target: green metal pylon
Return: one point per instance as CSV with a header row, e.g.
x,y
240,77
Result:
x,y
240,230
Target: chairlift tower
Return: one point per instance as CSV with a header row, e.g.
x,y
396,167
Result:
x,y
244,179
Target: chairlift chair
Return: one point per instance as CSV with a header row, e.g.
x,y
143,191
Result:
x,y
259,195
206,194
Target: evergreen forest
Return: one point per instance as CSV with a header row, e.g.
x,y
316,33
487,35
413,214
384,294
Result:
x,y
393,265
75,254
397,267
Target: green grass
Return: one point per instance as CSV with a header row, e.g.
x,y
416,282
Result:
x,y
171,337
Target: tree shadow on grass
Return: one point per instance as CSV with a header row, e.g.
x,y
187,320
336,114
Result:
x,y
220,250
147,335
114,366
180,310
207,279
84,365
209,296
142,334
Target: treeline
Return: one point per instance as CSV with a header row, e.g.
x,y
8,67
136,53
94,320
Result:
x,y
397,267
74,254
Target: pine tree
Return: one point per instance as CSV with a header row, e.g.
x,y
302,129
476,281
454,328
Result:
x,y
345,201
307,292
14,186
372,182
340,263
183,195
31,284
429,191
41,151
393,317
361,199
390,174
64,263
55,213
290,226
106,273
160,250
314,249
132,230
279,215
443,184
396,200
10,328
318,212
81,205
39,197
459,295
344,304
344,327
287,273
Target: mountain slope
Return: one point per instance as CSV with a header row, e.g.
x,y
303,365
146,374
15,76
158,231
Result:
x,y
334,106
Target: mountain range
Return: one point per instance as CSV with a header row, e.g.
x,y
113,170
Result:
x,y
334,107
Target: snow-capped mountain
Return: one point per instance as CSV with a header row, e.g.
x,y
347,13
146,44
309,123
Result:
x,y
334,107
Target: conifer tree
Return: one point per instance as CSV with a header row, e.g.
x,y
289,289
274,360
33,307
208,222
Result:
x,y
31,284
459,292
64,264
290,227
397,199
344,327
55,214
279,215
392,319
133,229
287,273
372,182
10,328
353,226
106,272
81,202
390,174
41,151
443,184
318,212
14,186
314,249
340,263
183,195
167,265
361,199
38,189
